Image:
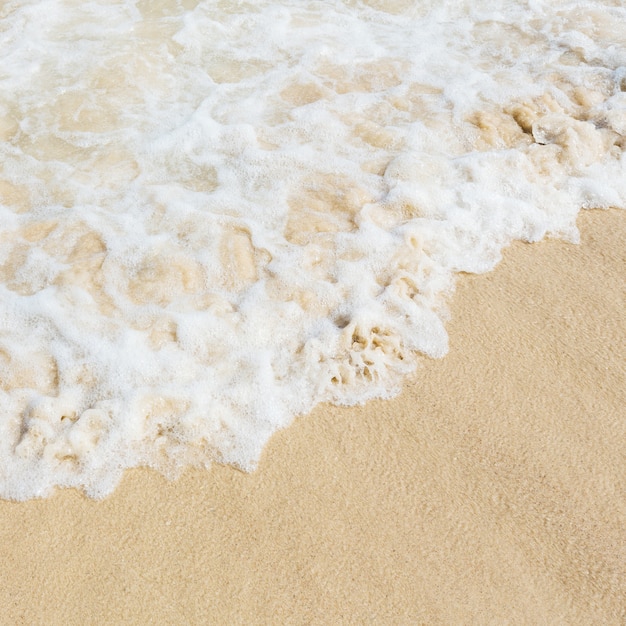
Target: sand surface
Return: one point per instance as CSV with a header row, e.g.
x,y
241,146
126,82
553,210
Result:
x,y
493,490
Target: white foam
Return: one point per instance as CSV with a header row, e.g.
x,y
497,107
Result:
x,y
214,216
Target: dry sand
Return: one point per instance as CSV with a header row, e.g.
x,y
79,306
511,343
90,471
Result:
x,y
493,490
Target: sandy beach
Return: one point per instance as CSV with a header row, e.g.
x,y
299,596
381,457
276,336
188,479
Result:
x,y
491,491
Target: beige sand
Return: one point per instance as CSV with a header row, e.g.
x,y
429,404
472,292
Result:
x,y
492,491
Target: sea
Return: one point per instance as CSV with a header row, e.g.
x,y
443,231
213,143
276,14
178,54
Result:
x,y
217,214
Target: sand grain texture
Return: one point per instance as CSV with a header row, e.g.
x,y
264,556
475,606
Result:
x,y
493,490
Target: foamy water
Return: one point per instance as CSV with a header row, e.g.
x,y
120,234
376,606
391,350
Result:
x,y
215,215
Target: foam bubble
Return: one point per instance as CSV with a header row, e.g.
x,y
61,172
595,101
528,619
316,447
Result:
x,y
215,215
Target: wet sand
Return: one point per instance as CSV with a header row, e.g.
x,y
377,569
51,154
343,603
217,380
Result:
x,y
492,490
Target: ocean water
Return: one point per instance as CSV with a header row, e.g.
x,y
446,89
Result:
x,y
216,214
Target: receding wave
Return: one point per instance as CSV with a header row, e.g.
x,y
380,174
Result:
x,y
215,215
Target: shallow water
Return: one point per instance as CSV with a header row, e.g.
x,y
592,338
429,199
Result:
x,y
215,215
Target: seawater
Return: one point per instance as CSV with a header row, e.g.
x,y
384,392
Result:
x,y
216,214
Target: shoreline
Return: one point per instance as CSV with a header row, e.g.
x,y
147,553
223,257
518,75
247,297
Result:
x,y
491,490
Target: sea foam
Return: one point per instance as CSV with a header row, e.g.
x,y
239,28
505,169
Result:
x,y
215,215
